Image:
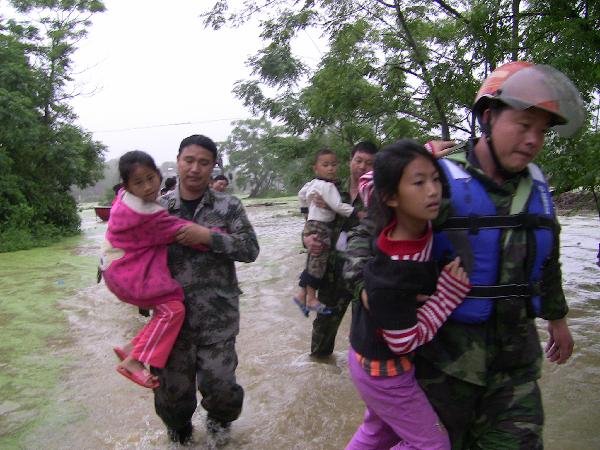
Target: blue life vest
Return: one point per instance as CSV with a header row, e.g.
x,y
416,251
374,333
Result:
x,y
474,232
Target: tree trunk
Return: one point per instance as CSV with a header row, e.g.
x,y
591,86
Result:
x,y
515,29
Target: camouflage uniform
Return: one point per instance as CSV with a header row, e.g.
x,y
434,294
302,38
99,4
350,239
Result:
x,y
482,378
204,352
334,291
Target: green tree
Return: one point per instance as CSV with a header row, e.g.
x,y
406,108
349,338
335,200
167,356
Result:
x,y
566,35
385,73
42,151
268,161
263,159
397,68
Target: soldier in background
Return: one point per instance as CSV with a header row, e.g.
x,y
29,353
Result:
x,y
335,292
204,355
220,183
480,372
170,183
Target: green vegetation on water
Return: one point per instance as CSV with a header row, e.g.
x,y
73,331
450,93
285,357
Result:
x,y
34,330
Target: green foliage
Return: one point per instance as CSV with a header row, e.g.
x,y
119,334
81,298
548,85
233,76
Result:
x,y
14,238
275,65
572,163
109,196
262,159
266,162
412,68
42,152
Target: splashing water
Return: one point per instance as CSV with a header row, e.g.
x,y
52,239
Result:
x,y
60,390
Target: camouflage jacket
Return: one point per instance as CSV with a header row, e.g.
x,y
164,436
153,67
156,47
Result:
x,y
209,278
506,348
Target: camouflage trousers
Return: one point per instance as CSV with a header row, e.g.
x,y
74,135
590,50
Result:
x,y
316,265
208,368
506,417
336,295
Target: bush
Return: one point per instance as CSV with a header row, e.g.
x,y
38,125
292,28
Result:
x,y
14,239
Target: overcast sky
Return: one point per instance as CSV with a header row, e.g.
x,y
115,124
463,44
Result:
x,y
152,63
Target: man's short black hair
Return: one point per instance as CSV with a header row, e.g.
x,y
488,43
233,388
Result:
x,y
364,147
170,182
221,177
202,141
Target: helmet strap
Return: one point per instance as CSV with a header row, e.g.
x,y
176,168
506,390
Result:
x,y
499,169
486,129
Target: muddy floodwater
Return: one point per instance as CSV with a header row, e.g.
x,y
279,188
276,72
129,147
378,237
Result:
x,y
59,389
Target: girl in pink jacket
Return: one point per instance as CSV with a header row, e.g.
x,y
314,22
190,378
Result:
x,y
134,266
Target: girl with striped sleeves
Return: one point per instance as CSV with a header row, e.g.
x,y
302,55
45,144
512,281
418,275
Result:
x,y
404,302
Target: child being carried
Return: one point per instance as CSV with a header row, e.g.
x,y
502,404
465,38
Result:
x,y
320,223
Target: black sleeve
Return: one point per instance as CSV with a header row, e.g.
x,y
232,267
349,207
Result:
x,y
391,293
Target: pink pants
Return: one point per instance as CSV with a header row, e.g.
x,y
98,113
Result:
x,y
154,342
398,414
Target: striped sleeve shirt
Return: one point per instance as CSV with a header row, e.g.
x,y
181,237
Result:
x,y
449,293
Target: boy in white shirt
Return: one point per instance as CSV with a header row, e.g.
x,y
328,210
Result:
x,y
319,221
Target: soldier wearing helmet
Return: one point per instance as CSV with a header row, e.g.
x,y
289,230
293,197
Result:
x,y
480,371
538,98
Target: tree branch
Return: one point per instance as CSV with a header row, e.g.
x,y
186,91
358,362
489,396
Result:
x,y
453,12
420,61
381,2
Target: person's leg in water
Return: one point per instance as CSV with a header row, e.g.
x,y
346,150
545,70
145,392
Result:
x,y
222,397
336,295
175,398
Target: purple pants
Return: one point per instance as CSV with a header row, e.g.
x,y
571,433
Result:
x,y
398,414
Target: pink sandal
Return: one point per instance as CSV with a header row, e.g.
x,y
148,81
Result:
x,y
141,377
120,353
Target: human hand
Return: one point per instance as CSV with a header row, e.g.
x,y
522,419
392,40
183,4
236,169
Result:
x,y
439,149
313,244
319,202
193,235
560,343
456,271
364,298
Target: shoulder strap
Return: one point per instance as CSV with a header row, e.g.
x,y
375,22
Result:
x,y
520,198
474,223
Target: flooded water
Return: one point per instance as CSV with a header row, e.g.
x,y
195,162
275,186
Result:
x,y
60,390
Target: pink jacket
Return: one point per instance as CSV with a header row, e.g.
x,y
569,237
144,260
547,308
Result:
x,y
134,254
